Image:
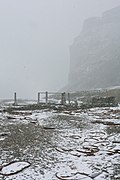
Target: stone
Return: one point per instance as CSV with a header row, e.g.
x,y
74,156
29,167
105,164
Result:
x,y
95,54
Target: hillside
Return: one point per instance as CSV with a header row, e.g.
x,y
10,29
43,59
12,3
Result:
x,y
95,53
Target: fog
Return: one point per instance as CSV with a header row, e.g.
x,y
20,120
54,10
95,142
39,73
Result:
x,y
35,36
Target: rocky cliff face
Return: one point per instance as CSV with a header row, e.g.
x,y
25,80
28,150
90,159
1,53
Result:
x,y
95,54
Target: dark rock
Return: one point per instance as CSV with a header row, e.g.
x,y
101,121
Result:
x,y
95,54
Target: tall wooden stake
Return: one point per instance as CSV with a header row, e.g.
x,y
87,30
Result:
x,y
46,97
38,97
15,99
63,98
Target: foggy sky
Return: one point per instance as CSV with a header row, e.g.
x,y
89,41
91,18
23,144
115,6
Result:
x,y
35,36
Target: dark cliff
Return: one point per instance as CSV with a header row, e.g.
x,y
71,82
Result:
x,y
95,54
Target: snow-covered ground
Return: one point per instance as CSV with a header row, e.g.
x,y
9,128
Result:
x,y
72,145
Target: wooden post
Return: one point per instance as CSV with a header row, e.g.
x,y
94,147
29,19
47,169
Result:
x,y
69,98
63,98
15,99
46,97
38,97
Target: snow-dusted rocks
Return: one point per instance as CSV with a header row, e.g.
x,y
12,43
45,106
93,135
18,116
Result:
x,y
13,168
61,145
